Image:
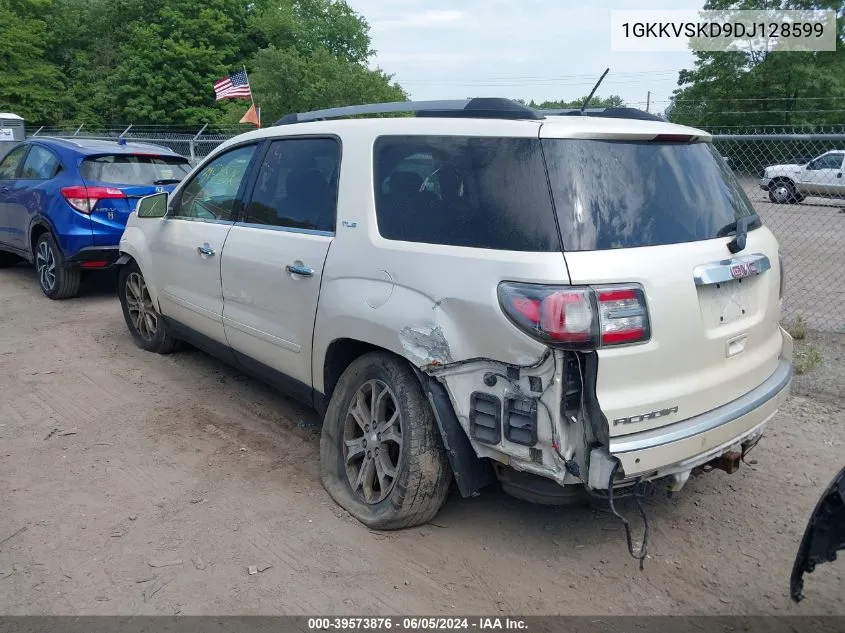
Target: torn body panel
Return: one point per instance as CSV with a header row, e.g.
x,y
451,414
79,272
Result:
x,y
425,345
514,416
525,418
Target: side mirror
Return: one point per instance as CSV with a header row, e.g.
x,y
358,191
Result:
x,y
153,206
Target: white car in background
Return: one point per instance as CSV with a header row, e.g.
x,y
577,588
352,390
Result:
x,y
822,176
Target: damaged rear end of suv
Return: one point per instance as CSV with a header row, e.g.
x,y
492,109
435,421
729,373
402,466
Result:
x,y
590,303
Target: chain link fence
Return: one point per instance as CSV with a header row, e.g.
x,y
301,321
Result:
x,y
795,180
194,143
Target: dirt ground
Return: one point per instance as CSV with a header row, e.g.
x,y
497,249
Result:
x,y
138,484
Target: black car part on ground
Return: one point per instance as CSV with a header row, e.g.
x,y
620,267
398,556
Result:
x,y
824,536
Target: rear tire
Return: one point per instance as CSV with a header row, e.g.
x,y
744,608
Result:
x,y
147,327
56,280
381,455
7,260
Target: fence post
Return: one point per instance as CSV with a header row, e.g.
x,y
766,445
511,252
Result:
x,y
192,144
77,129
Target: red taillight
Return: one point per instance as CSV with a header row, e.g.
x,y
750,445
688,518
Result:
x,y
567,316
623,316
94,263
84,199
578,317
529,308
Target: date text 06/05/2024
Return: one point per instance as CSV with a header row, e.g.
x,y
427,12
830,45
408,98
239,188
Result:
x,y
478,623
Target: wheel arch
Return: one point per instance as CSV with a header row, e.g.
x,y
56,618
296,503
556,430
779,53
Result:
x,y
133,248
39,227
471,472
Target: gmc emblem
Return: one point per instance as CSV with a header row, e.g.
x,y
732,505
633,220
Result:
x,y
635,419
741,271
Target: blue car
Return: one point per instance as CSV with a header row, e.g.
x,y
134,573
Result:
x,y
64,203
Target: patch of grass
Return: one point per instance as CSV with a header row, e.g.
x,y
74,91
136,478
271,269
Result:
x,y
806,359
797,328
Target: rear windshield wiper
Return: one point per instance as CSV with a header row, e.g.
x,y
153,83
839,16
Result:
x,y
167,181
740,227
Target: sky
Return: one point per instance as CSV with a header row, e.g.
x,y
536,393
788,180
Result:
x,y
529,49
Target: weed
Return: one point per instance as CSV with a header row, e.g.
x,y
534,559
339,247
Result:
x,y
806,359
798,328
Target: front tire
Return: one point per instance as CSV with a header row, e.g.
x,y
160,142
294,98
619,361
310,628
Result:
x,y
783,192
381,455
149,330
56,280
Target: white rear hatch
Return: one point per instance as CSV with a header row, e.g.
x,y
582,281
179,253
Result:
x,y
648,209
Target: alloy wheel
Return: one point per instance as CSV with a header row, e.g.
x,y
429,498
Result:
x,y
45,264
372,436
140,305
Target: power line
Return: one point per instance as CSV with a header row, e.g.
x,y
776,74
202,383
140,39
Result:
x,y
551,78
515,85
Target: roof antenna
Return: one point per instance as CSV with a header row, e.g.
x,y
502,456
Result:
x,y
596,87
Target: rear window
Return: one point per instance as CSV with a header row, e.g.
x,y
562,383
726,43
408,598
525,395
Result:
x,y
134,169
622,194
464,191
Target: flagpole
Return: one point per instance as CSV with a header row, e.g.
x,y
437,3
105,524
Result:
x,y
251,98
248,84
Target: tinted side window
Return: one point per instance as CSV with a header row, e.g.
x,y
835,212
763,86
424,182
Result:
x,y
213,192
9,165
464,191
297,185
40,164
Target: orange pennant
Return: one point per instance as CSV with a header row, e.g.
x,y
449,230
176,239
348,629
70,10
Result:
x,y
252,116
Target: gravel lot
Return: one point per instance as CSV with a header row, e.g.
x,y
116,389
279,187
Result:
x,y
137,484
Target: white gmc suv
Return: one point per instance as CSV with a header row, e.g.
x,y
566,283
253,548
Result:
x,y
566,303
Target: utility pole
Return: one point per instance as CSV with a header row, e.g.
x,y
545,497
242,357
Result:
x,y
647,100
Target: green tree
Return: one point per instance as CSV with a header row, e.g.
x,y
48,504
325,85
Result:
x,y
30,84
758,88
169,64
311,26
155,61
285,81
613,101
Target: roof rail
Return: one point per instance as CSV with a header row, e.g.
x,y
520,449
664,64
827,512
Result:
x,y
478,108
54,138
612,113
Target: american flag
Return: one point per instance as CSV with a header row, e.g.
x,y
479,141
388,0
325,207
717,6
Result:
x,y
233,86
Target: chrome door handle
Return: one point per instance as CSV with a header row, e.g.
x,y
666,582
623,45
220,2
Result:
x,y
301,270
205,249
